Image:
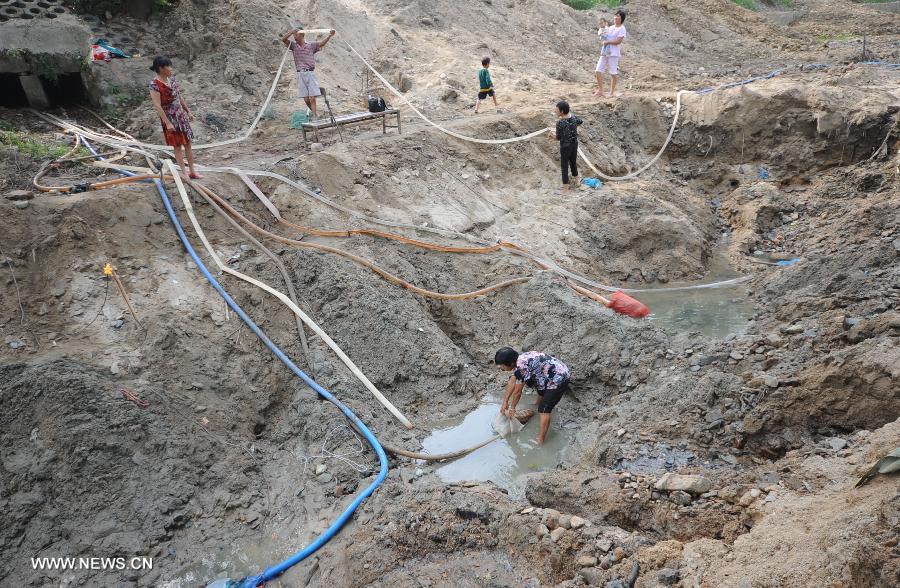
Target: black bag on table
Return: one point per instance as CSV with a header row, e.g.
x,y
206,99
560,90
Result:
x,y
376,104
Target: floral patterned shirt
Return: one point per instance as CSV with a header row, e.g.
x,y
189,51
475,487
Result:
x,y
541,371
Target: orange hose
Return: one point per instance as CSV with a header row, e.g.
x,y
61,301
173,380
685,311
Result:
x,y
93,186
360,260
588,293
391,236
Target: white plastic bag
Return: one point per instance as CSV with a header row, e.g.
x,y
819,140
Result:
x,y
505,425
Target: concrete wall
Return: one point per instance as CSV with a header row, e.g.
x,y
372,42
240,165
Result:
x,y
59,36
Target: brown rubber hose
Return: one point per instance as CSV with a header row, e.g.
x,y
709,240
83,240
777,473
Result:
x,y
440,456
362,261
391,236
91,186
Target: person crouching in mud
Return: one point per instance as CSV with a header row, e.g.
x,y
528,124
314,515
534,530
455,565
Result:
x,y
546,374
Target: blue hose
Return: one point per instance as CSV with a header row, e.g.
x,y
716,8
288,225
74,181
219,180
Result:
x,y
278,569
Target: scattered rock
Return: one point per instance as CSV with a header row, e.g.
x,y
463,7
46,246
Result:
x,y
792,330
316,147
680,498
686,483
749,496
837,443
325,478
736,355
771,381
542,530
19,195
586,561
618,554
528,510
22,204
550,518
320,469
556,534
592,576
578,522
667,576
565,521
603,544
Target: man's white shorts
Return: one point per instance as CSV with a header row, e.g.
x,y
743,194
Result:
x,y
608,64
307,84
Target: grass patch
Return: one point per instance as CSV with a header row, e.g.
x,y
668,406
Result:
x,y
754,5
836,37
28,145
748,4
588,4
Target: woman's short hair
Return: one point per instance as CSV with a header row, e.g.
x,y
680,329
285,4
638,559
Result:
x,y
159,62
506,356
621,14
563,106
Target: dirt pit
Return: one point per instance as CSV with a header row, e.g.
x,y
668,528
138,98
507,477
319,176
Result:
x,y
715,443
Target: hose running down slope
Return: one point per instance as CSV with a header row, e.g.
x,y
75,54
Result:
x,y
284,299
278,569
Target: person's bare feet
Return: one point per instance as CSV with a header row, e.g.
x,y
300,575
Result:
x,y
597,93
539,441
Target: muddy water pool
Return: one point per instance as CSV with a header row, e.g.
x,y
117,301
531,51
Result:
x,y
714,312
504,462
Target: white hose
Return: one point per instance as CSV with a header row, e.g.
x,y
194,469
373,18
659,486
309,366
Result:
x,y
399,95
549,264
659,153
284,299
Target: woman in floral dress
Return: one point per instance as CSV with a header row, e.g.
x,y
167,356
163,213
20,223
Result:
x,y
174,113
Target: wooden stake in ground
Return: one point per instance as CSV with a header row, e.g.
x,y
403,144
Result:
x,y
109,271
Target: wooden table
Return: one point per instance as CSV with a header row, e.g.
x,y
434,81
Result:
x,y
349,119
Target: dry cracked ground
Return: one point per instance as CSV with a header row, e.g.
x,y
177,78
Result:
x,y
692,457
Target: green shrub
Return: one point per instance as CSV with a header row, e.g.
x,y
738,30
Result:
x,y
588,4
748,4
28,145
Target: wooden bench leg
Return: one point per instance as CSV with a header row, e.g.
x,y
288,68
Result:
x,y
399,132
383,124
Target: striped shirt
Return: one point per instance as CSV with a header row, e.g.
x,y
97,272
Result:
x,y
304,55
